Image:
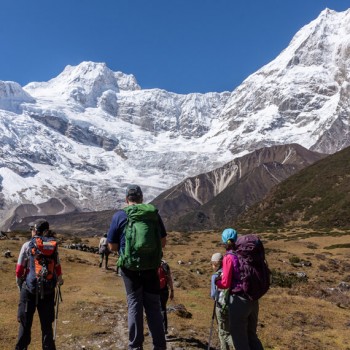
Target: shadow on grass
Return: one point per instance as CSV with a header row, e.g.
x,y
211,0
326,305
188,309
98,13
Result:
x,y
187,342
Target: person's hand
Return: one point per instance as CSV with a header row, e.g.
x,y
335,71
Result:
x,y
19,282
171,296
60,280
217,278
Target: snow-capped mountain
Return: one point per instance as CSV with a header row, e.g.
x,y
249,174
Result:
x,y
86,133
302,96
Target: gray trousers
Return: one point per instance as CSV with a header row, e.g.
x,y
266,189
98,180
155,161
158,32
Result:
x,y
243,316
142,292
224,329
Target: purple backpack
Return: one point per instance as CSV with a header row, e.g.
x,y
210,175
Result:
x,y
255,273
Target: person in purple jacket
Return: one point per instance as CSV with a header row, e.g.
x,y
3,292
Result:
x,y
243,313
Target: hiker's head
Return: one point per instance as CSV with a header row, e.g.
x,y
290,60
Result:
x,y
134,194
39,226
229,237
216,261
105,235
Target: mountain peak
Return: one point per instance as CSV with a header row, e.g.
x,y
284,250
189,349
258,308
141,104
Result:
x,y
85,83
94,74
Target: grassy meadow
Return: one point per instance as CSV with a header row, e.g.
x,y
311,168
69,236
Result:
x,y
307,307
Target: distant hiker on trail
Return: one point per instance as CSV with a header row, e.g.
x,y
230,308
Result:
x,y
8,253
221,309
104,251
166,282
38,271
243,312
138,233
3,235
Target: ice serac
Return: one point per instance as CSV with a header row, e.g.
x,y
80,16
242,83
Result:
x,y
87,132
12,96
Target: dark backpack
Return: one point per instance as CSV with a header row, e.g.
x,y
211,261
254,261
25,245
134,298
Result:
x,y
42,277
143,247
255,273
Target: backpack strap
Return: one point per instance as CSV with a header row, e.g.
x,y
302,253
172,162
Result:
x,y
236,273
165,267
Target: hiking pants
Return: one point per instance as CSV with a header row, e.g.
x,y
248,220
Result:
x,y
222,317
164,296
26,310
243,317
104,256
142,291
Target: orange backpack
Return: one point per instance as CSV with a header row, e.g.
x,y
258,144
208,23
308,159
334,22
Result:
x,y
42,262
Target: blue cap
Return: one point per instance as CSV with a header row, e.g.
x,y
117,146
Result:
x,y
229,233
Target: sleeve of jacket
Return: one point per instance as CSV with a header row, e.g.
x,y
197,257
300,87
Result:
x,y
163,232
22,262
227,272
213,288
58,268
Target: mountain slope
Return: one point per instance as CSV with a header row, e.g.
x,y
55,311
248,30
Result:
x,y
318,196
88,132
216,198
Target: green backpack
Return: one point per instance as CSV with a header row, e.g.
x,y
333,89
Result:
x,y
143,246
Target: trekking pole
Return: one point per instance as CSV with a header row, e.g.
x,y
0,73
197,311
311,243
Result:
x,y
212,325
58,298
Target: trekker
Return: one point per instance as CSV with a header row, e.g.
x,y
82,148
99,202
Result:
x,y
140,274
221,309
243,313
104,251
37,276
166,282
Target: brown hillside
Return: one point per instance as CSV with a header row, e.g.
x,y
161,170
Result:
x,y
318,196
215,199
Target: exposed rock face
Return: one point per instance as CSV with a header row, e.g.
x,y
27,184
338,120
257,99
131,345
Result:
x,y
216,198
53,206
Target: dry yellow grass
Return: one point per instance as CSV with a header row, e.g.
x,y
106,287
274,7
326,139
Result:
x,y
93,312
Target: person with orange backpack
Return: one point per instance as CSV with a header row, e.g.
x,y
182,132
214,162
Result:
x,y
165,282
38,271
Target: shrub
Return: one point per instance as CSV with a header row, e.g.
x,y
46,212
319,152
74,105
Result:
x,y
294,260
284,280
334,246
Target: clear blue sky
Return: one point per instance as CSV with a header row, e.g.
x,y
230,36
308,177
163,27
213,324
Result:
x,y
181,46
